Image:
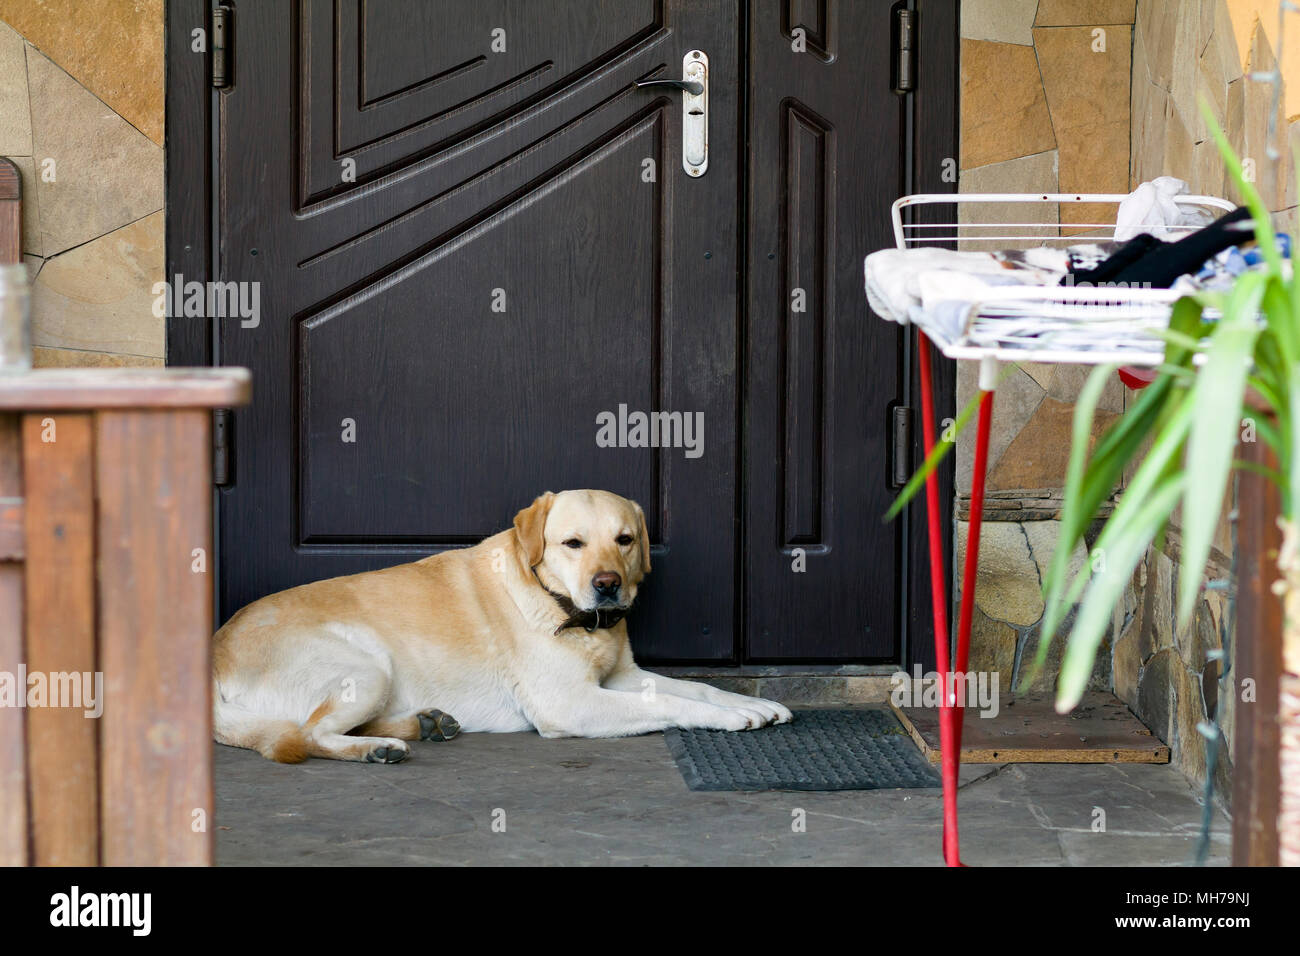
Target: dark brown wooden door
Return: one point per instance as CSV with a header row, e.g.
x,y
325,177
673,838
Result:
x,y
822,573
472,235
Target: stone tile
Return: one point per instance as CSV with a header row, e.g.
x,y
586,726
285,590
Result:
x,y
1064,13
1038,455
1157,25
1017,397
1045,681
622,802
1141,71
1210,174
1084,88
1082,848
1222,50
1040,372
1006,21
31,205
1158,633
15,109
1044,537
114,48
1126,662
1270,174
1068,381
1188,749
1094,159
1008,588
1004,112
1210,687
107,173
1200,638
1157,704
1147,137
993,648
1213,90
1182,86
78,358
1088,99
33,264
1179,158
97,297
1026,174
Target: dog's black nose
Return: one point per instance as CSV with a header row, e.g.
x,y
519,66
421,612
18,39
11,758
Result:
x,y
606,583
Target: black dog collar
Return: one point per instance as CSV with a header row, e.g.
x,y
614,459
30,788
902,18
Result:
x,y
598,619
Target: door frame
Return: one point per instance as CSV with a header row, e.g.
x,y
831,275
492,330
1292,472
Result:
x,y
931,118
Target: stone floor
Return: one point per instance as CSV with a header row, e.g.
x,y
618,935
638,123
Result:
x,y
624,802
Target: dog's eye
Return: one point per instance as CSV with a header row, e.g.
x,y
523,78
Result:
x,y
573,543
624,539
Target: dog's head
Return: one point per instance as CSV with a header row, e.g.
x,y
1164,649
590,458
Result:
x,y
588,548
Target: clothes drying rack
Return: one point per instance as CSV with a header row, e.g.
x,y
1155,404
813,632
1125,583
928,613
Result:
x,y
1055,324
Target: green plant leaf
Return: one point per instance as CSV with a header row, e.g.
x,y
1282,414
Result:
x,y
1217,400
1106,587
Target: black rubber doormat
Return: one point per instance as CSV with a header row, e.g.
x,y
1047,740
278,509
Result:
x,y
818,750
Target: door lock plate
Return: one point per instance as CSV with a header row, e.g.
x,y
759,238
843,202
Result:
x,y
695,114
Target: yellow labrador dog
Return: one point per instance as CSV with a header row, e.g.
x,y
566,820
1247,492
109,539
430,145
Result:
x,y
524,630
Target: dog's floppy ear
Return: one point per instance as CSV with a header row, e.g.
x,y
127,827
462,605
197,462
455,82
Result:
x,y
530,527
644,536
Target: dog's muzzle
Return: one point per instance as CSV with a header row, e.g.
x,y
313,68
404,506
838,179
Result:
x,y
598,618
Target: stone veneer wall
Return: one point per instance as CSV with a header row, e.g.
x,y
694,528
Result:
x,y
81,114
1041,112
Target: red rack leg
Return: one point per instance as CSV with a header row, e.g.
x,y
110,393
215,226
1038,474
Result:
x,y
970,572
938,599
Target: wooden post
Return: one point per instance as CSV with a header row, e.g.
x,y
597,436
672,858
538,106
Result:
x,y
1256,776
109,551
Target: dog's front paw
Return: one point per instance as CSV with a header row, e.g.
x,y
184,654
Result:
x,y
435,725
735,718
780,713
770,711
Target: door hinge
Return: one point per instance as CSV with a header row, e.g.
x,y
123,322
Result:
x,y
904,51
901,446
222,424
223,36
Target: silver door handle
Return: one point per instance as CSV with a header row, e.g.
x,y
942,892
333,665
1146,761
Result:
x,y
694,87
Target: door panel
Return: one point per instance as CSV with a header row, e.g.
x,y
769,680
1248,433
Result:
x,y
482,179
390,181
825,163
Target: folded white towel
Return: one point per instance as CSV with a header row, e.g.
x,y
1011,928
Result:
x,y
1151,209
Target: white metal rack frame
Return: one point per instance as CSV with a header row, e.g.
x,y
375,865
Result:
x,y
1061,324
1017,323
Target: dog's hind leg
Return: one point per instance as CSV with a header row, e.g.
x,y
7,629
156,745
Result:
x,y
356,705
428,724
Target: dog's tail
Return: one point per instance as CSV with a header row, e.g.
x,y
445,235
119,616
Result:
x,y
280,740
